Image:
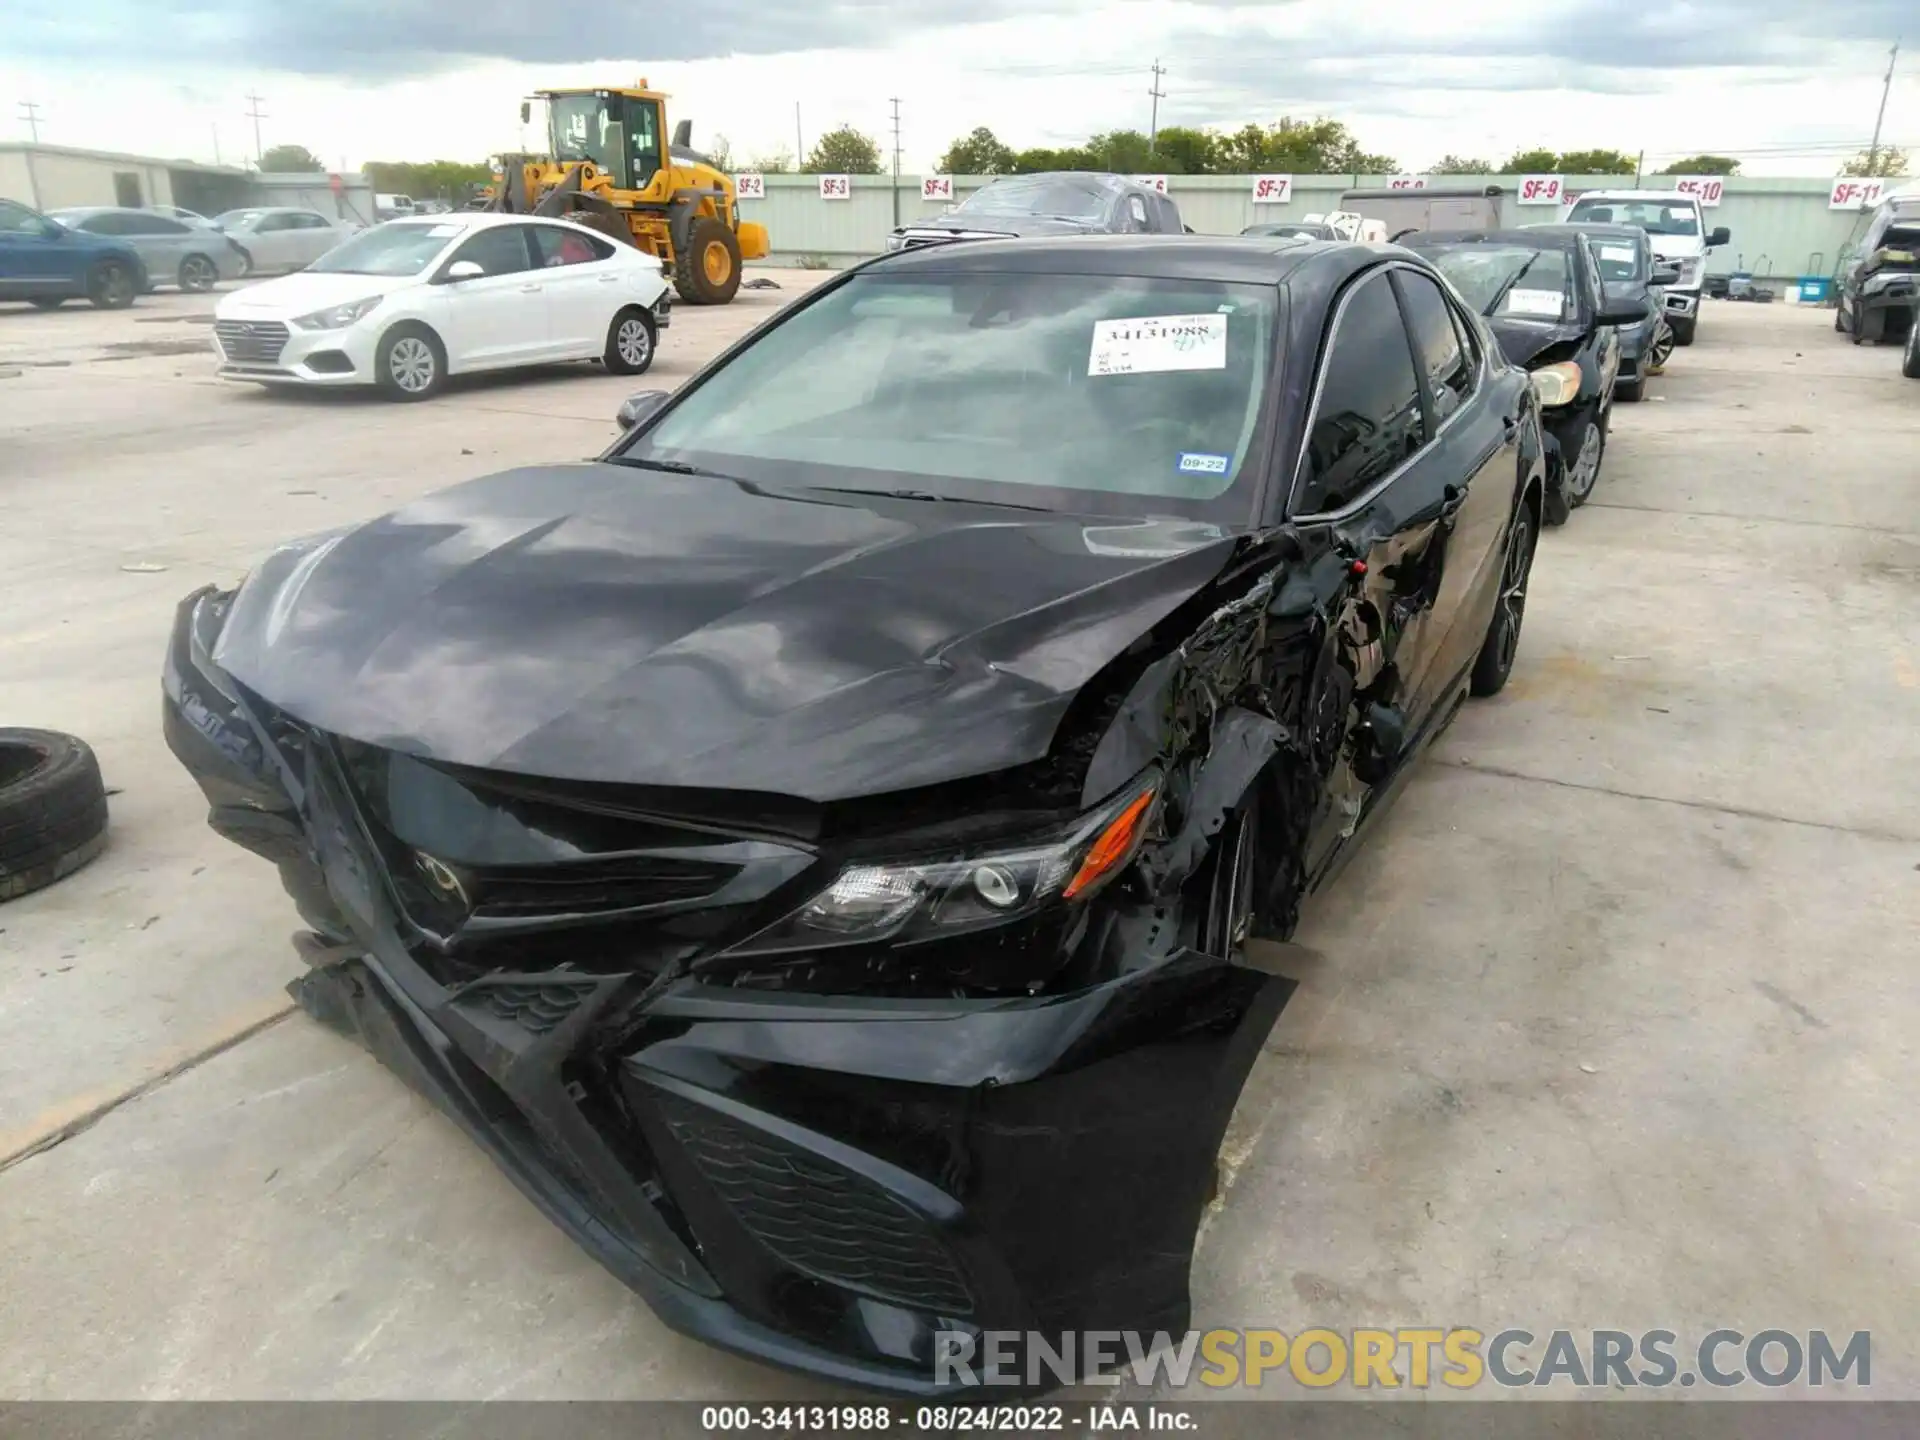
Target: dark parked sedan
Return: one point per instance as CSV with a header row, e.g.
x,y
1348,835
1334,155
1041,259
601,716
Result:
x,y
1541,294
1630,277
1054,202
812,848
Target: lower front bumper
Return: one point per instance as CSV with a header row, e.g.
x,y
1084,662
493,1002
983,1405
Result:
x,y
1681,304
826,1183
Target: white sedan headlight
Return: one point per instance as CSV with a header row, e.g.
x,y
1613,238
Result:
x,y
338,317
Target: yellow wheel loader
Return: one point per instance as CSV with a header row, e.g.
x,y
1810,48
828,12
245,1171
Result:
x,y
609,166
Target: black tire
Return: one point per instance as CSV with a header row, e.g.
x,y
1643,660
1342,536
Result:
x,y
53,809
1579,489
48,302
1502,643
1683,329
198,274
410,363
632,339
711,247
1838,311
246,261
1631,390
1910,357
1229,921
111,286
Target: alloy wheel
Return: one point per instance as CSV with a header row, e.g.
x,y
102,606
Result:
x,y
1513,588
1586,465
633,342
411,364
197,273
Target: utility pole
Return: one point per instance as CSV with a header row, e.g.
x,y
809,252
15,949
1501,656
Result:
x,y
1873,150
30,113
257,115
1153,125
216,143
799,145
1639,168
896,161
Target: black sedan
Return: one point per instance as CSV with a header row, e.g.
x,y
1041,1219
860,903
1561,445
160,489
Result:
x,y
1541,294
1053,202
1631,277
813,847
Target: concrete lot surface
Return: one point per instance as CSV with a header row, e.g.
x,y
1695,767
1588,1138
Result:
x,y
1613,1025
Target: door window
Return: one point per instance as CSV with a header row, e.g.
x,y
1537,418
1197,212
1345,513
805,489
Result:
x,y
1136,214
18,220
106,223
307,220
499,250
270,223
553,245
144,224
1436,342
1367,420
643,141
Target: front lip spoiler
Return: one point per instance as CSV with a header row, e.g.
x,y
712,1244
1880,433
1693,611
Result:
x,y
402,1037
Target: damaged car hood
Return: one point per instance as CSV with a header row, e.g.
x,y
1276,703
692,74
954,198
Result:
x,y
1521,341
603,623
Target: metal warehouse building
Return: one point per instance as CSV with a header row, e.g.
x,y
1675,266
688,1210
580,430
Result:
x,y
51,177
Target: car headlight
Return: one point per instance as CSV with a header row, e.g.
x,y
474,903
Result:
x,y
338,317
937,897
1556,384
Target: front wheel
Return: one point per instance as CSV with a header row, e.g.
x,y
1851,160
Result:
x,y
1910,357
630,343
1683,329
1630,390
410,363
706,270
1583,471
111,286
1502,643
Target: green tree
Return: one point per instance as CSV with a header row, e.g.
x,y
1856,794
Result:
x,y
449,180
1702,165
1301,147
979,153
1183,150
1124,151
1462,165
1887,160
844,151
1533,162
291,160
1031,162
1597,162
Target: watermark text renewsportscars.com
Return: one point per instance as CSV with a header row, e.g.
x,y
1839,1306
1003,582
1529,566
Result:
x,y
1458,1358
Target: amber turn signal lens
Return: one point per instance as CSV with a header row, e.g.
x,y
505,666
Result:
x,y
1115,844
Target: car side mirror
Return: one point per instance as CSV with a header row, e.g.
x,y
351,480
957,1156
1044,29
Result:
x,y
463,270
1623,316
641,406
1718,236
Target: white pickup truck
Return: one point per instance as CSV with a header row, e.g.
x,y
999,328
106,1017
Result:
x,y
1674,223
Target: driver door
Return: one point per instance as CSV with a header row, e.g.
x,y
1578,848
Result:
x,y
32,261
498,318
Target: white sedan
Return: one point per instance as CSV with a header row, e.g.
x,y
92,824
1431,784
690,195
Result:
x,y
408,303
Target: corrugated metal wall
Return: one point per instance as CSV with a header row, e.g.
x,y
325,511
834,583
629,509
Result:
x,y
1780,228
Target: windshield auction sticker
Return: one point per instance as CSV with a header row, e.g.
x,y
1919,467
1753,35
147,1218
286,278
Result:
x,y
1149,343
1534,302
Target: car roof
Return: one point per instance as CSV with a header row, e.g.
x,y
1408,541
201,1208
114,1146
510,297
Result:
x,y
1633,195
1105,179
1540,237
475,220
1245,259
1594,227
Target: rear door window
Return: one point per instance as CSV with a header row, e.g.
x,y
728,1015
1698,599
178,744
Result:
x,y
1448,364
556,245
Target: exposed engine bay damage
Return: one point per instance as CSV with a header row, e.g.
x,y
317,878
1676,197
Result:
x,y
822,1078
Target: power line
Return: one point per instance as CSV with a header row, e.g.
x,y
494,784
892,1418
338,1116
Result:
x,y
30,113
1153,125
257,115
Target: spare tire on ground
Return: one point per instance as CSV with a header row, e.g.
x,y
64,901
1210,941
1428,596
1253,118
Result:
x,y
53,809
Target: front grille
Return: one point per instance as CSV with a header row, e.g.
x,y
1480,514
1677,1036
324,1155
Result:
x,y
251,342
823,1221
595,886
536,1008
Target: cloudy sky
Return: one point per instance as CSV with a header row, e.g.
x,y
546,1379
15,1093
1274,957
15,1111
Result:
x,y
1789,85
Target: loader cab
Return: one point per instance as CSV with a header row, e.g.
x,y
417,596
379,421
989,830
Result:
x,y
622,132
